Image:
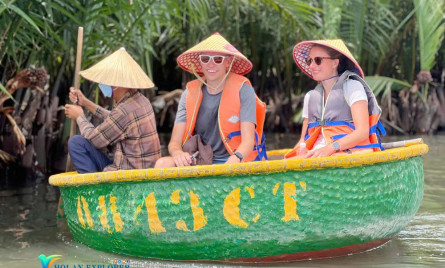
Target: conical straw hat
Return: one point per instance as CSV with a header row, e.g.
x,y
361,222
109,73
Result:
x,y
189,60
120,70
301,52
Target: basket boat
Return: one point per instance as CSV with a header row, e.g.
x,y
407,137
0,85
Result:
x,y
270,211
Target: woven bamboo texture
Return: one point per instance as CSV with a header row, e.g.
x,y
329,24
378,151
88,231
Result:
x,y
346,161
243,212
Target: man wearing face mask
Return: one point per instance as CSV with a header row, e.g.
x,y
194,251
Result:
x,y
130,125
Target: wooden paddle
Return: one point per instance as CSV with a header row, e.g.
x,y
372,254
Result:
x,y
73,126
404,143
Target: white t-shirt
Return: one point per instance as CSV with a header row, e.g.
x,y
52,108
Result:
x,y
353,90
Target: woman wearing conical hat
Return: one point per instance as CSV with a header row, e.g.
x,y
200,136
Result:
x,y
220,106
130,126
341,114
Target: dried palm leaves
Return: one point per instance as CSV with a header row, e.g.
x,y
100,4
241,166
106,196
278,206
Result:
x,y
12,139
5,158
32,78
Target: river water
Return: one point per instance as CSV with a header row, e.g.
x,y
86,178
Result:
x,y
29,227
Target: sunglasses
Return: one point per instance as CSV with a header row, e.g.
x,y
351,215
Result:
x,y
317,60
216,59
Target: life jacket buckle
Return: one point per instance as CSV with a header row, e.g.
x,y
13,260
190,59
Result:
x,y
321,122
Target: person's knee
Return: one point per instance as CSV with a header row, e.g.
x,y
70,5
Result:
x,y
165,162
76,142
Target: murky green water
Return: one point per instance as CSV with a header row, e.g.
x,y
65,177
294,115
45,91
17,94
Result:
x,y
28,228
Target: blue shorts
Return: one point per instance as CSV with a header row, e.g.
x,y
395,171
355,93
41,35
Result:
x,y
219,160
85,157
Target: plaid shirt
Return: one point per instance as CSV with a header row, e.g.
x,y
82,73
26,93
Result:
x,y
131,127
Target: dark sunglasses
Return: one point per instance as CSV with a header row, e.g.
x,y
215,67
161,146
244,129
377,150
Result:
x,y
216,59
317,60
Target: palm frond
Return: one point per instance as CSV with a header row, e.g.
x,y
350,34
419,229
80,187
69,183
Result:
x,y
383,86
5,91
303,14
332,18
21,13
366,27
431,26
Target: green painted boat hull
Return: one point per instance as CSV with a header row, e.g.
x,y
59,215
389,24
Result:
x,y
246,216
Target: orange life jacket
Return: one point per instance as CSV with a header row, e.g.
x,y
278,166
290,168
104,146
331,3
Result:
x,y
228,116
336,127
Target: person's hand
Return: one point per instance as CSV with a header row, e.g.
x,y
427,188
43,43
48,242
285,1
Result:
x,y
299,156
321,152
77,97
182,158
73,111
233,159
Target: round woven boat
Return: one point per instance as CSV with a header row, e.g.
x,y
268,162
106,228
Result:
x,y
269,211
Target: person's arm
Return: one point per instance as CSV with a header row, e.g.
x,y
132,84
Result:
x,y
100,136
303,131
247,142
110,131
248,123
180,157
360,116
76,96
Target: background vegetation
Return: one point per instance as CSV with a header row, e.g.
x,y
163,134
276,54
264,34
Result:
x,y
393,41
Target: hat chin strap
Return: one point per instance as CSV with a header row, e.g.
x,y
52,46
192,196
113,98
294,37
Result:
x,y
337,75
220,82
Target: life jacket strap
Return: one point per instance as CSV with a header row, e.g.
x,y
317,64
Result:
x,y
233,134
377,129
372,145
339,136
323,123
259,147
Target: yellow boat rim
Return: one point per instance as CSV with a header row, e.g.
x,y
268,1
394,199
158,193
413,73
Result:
x,y
273,166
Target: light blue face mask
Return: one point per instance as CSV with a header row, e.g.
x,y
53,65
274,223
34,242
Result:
x,y
106,90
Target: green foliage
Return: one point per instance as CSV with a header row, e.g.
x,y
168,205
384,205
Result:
x,y
18,11
431,27
366,27
381,34
3,89
332,18
382,86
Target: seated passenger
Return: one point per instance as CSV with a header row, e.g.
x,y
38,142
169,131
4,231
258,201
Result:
x,y
341,113
130,126
220,106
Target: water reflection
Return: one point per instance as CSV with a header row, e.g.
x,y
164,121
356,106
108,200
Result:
x,y
28,228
